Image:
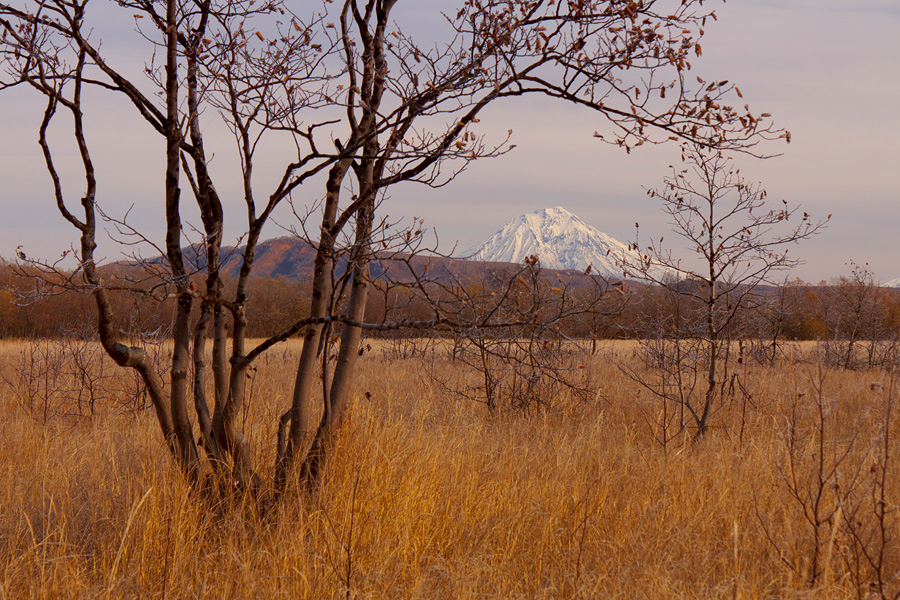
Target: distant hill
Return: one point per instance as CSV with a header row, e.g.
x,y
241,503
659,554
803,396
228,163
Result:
x,y
293,258
287,257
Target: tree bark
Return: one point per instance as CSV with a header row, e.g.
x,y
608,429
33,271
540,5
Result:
x,y
187,449
338,396
320,303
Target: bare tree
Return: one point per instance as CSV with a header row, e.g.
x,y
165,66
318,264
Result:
x,y
773,316
739,243
367,106
212,59
859,331
514,336
623,60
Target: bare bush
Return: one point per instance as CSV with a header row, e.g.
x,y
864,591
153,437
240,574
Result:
x,y
838,471
770,318
511,345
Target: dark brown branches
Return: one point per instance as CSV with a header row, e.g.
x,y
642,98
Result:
x,y
737,240
359,103
412,114
52,79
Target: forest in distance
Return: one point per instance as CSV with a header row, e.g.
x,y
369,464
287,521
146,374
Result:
x,y
850,306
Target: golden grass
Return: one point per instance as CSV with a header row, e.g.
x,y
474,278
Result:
x,y
429,497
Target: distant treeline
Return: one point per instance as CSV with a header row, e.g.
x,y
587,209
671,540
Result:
x,y
31,309
839,309
849,307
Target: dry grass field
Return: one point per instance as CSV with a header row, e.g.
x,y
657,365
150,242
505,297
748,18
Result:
x,y
427,496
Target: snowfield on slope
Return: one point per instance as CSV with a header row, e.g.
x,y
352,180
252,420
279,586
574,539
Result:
x,y
560,239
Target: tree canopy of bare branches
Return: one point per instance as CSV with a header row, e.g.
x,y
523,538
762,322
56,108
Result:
x,y
739,242
365,105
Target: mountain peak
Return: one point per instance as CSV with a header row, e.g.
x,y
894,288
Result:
x,y
559,210
560,239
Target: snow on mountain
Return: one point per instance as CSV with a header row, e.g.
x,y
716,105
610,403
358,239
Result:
x,y
893,283
560,239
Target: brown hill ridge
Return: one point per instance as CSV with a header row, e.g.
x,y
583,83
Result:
x,y
293,258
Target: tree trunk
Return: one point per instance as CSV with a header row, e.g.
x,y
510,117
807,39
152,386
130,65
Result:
x,y
298,421
339,391
187,448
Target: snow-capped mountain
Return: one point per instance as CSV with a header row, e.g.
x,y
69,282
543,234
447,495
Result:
x,y
893,283
560,239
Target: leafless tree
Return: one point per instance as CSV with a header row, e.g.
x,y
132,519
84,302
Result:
x,y
739,242
368,107
772,315
618,59
212,58
513,340
859,331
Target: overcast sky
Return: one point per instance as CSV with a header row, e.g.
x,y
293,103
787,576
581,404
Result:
x,y
828,70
